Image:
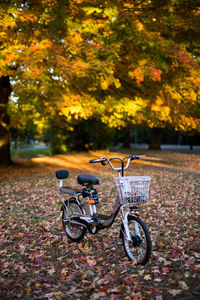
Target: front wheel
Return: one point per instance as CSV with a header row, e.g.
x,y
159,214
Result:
x,y
74,232
139,248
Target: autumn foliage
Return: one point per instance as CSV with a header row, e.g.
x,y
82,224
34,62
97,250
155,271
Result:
x,y
132,62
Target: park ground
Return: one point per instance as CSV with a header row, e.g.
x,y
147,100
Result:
x,y
38,263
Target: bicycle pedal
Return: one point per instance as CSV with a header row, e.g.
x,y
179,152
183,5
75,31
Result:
x,y
66,220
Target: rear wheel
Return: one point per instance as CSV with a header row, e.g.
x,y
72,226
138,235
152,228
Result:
x,y
74,232
139,248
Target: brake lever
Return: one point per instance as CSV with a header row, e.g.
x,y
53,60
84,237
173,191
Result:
x,y
132,157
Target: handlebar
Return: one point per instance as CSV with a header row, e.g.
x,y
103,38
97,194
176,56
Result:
x,y
104,161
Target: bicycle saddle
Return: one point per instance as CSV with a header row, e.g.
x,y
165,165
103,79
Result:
x,y
86,179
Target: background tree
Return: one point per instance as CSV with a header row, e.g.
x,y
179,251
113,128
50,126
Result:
x,y
30,39
147,51
4,120
125,63
159,59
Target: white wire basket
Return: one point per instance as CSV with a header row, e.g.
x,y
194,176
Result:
x,y
133,189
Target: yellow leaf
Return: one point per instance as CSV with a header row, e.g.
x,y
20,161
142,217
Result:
x,y
104,84
91,262
3,251
86,247
117,83
134,263
139,25
159,101
63,272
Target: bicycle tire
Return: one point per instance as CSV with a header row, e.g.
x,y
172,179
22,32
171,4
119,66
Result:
x,y
74,232
139,249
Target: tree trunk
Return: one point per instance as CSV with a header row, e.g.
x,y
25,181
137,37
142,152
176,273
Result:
x,y
127,137
5,91
191,141
156,138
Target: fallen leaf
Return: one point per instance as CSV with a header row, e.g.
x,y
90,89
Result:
x,y
174,292
147,277
91,262
165,270
137,296
183,285
159,297
51,271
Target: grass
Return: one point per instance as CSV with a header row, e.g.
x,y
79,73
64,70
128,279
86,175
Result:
x,y
29,153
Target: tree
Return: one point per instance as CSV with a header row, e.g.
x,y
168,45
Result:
x,y
124,62
48,53
158,65
30,51
148,53
23,123
4,120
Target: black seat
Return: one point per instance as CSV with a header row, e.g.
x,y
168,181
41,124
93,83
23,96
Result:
x,y
86,179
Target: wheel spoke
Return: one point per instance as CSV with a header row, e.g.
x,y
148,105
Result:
x,y
74,231
139,248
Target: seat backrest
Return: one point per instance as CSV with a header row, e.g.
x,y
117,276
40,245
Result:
x,y
62,174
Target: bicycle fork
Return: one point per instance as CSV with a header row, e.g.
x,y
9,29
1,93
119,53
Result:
x,y
126,227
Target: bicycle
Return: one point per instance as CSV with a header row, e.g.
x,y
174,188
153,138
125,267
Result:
x,y
79,210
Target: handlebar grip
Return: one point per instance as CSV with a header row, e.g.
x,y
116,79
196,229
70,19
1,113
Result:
x,y
137,156
134,157
101,160
92,161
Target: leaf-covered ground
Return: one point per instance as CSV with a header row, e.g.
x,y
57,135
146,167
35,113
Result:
x,y
38,263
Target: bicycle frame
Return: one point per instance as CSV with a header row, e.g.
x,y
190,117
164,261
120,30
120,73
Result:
x,y
91,218
87,220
